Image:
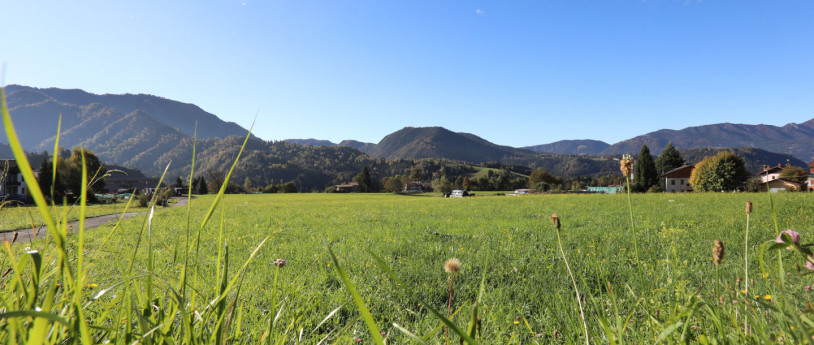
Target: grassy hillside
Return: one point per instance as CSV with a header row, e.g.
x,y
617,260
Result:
x,y
483,172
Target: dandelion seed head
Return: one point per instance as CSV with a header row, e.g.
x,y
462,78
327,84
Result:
x,y
452,266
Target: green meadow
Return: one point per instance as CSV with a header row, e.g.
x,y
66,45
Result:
x,y
670,294
16,216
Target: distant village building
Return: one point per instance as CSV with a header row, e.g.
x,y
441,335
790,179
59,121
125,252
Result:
x,y
783,185
458,193
771,176
606,190
13,184
770,173
352,187
678,179
810,181
126,184
524,191
417,187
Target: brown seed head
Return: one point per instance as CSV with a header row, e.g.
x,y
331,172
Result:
x,y
749,207
452,266
626,165
555,219
718,252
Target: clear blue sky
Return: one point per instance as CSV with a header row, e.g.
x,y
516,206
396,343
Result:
x,y
514,72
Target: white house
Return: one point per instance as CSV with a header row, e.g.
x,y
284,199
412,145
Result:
x,y
770,173
13,184
678,179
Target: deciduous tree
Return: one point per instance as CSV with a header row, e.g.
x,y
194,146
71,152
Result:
x,y
793,173
542,180
214,179
442,185
72,172
723,172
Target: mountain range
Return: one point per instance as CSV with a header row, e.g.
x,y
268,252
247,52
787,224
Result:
x,y
128,130
793,138
572,147
147,132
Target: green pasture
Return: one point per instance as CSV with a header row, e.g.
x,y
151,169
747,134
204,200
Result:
x,y
528,294
14,216
483,172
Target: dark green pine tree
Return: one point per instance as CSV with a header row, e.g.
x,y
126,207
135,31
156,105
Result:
x,y
364,181
201,186
669,159
45,175
645,172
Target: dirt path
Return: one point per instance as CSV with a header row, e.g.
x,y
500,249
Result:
x,y
26,235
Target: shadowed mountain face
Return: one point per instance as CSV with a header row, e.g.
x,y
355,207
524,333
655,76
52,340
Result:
x,y
438,142
794,139
174,114
364,147
127,130
572,147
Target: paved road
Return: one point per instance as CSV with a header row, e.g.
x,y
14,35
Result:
x,y
27,235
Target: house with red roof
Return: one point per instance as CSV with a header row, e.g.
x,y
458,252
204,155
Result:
x,y
678,179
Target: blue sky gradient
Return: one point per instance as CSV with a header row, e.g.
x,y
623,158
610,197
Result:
x,y
516,73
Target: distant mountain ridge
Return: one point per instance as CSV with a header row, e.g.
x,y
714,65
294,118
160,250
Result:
x,y
128,130
311,142
174,114
148,132
572,147
364,147
754,157
795,139
438,142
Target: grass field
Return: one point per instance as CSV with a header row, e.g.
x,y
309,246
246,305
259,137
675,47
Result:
x,y
670,294
15,217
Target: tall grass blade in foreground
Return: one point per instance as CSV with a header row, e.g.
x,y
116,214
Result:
x,y
54,159
746,264
357,298
626,166
555,219
28,176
